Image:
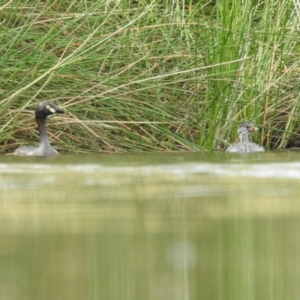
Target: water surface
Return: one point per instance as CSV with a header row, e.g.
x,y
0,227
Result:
x,y
150,226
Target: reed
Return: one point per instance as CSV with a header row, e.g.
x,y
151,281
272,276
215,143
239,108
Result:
x,y
149,76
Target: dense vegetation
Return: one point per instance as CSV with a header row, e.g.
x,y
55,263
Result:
x,y
149,75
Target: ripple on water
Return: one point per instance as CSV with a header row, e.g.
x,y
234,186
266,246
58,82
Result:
x,y
267,170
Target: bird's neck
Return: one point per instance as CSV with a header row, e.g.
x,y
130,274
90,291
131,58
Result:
x,y
244,138
41,123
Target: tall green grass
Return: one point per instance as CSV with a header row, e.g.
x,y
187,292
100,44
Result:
x,y
149,75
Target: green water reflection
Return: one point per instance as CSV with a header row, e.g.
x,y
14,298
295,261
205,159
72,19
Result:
x,y
150,226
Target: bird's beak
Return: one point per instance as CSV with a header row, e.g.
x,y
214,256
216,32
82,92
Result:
x,y
253,128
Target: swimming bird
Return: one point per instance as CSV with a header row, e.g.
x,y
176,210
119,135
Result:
x,y
244,145
43,110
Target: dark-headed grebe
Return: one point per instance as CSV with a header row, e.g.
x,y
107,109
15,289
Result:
x,y
43,110
244,146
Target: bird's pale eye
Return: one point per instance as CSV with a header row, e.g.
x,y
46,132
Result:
x,y
50,108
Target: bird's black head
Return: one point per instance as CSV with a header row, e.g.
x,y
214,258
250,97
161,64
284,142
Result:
x,y
47,108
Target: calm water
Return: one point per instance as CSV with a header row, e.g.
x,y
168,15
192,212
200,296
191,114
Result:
x,y
150,226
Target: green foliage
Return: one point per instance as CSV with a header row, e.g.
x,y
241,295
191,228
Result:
x,y
149,76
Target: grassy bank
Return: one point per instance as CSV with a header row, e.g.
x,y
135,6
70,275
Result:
x,y
146,76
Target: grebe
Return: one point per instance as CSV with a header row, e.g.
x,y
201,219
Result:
x,y
244,146
43,110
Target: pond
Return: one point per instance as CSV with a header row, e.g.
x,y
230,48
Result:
x,y
150,226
